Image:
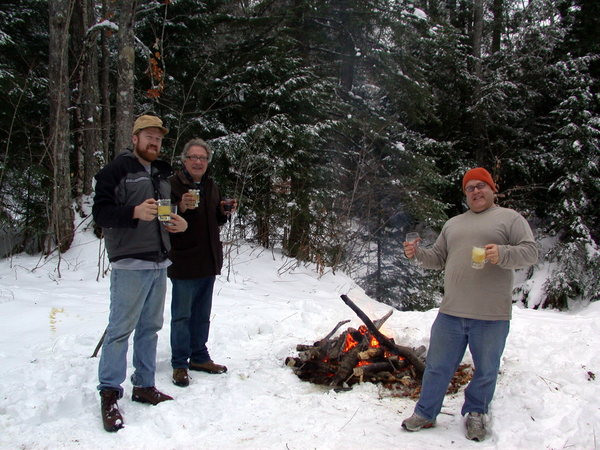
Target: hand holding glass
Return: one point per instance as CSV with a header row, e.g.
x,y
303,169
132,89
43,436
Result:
x,y
196,194
165,209
412,237
478,258
411,241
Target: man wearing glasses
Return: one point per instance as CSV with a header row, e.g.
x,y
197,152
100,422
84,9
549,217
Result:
x,y
477,304
197,256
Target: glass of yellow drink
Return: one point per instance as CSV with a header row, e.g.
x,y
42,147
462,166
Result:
x,y
478,257
164,209
196,194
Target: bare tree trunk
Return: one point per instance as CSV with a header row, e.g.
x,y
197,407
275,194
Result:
x,y
263,230
86,98
92,138
379,270
61,216
125,72
77,56
477,34
498,9
478,125
348,47
105,89
298,242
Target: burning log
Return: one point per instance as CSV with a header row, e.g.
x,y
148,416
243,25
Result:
x,y
363,354
354,356
391,365
396,349
349,360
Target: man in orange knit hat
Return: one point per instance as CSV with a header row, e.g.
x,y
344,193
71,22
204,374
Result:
x,y
477,304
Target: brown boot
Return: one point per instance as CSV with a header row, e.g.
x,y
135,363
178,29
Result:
x,y
111,416
209,367
149,395
180,377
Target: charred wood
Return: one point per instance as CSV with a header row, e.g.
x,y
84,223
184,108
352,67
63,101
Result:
x,y
371,353
365,355
387,343
347,363
331,333
379,322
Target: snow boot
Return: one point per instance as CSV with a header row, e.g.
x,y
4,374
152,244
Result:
x,y
149,395
111,416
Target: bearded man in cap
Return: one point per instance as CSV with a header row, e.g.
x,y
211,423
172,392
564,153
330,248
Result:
x,y
477,304
125,206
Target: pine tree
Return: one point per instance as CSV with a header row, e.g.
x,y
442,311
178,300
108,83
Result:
x,y
24,166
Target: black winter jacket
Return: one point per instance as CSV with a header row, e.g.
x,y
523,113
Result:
x,y
198,251
121,185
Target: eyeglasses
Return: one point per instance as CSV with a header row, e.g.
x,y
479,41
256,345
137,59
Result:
x,y
478,186
197,158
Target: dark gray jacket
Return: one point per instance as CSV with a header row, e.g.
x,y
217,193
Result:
x,y
198,251
121,185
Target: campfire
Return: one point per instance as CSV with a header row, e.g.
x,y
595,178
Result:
x,y
365,355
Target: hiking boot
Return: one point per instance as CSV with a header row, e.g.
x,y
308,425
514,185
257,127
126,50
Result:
x,y
476,426
111,416
180,377
208,367
149,395
416,422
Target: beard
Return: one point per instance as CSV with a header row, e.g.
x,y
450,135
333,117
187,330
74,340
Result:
x,y
149,153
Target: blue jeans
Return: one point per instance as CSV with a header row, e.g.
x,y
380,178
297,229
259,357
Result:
x,y
449,339
191,303
137,300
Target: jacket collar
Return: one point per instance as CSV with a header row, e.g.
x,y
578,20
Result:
x,y
162,168
186,178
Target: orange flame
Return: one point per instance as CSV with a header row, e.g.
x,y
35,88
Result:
x,y
350,343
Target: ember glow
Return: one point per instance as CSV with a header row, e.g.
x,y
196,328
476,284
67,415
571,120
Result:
x,y
350,343
356,356
374,342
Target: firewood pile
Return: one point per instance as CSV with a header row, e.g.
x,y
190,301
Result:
x,y
365,355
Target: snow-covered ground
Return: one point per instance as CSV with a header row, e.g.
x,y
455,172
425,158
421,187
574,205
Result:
x,y
547,396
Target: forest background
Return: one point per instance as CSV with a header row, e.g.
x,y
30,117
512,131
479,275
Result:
x,y
340,125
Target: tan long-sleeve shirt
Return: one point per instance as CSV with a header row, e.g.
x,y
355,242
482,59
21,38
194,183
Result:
x,y
484,294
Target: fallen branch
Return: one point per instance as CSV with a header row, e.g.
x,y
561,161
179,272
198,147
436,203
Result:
x,y
100,342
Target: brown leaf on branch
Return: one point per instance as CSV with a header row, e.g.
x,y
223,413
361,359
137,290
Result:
x,y
153,93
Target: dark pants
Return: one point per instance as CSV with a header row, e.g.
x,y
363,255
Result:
x,y
191,304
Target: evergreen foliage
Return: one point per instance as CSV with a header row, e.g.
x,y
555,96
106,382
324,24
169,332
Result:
x,y
24,162
340,125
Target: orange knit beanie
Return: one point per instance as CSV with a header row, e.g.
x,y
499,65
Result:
x,y
479,173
